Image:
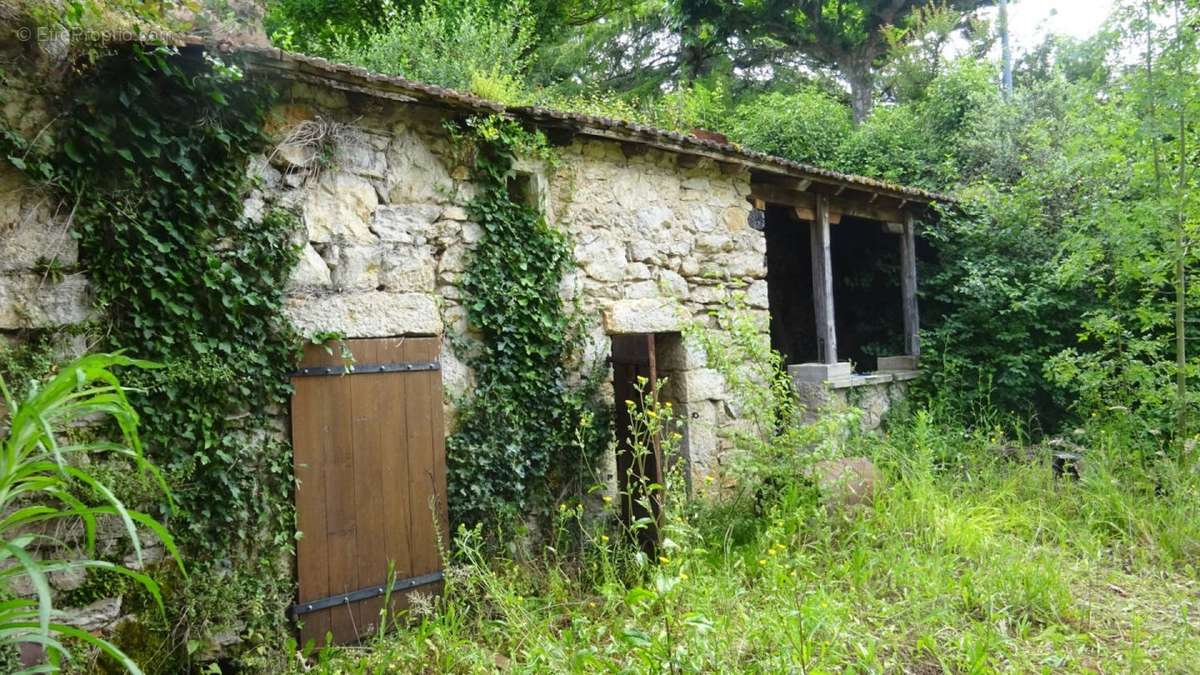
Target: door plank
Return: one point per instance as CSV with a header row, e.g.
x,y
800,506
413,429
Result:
x,y
368,394
418,411
311,414
394,477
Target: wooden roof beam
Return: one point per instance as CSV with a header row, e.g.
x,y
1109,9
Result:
x,y
806,202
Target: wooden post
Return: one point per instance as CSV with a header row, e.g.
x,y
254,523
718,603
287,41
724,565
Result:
x,y
908,288
822,270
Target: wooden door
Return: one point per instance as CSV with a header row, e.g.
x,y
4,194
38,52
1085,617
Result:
x,y
370,467
635,378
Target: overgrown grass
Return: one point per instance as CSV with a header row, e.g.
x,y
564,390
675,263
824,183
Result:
x,y
974,559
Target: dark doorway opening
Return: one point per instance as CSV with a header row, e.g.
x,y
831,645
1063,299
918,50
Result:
x,y
789,286
868,312
640,364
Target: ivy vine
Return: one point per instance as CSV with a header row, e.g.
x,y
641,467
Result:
x,y
523,431
151,149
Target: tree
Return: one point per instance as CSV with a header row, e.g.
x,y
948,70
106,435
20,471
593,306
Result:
x,y
848,36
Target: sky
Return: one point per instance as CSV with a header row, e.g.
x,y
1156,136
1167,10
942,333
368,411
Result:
x,y
1031,20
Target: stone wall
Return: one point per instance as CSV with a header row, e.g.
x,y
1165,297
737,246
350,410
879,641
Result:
x,y
40,286
658,239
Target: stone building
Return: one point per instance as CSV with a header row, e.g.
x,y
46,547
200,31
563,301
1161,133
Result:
x,y
664,227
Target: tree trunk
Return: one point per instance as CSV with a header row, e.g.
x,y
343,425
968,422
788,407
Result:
x,y
1005,51
861,79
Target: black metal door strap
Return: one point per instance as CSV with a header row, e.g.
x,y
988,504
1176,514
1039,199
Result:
x,y
301,608
367,369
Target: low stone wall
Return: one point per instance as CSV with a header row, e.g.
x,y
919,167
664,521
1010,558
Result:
x,y
874,394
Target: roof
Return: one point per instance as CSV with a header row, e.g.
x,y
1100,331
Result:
x,y
353,78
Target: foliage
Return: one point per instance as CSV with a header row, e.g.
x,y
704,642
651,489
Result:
x,y
807,126
45,482
850,37
464,45
523,425
152,149
971,560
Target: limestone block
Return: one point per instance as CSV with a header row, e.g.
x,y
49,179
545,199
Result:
x,y
253,207
405,269
643,250
69,578
701,219
708,295
632,190
414,172
672,285
454,213
900,363
96,616
369,314
452,263
357,267
471,232
701,384
602,257
293,156
688,355
652,219
700,438
404,222
745,264
641,289
310,271
260,168
697,183
713,243
803,373
637,271
647,315
356,152
456,376
31,301
756,295
28,229
735,219
340,207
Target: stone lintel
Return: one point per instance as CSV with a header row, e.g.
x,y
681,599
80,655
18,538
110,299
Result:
x,y
894,363
813,373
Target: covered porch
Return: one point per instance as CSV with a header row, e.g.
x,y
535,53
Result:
x,y
842,282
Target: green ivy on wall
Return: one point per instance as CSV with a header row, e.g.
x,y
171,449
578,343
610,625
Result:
x,y
523,431
151,149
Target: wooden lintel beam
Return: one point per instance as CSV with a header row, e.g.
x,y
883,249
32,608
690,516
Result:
x,y
773,194
805,213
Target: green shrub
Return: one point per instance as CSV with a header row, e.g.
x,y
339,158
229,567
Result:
x,y
469,45
807,126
